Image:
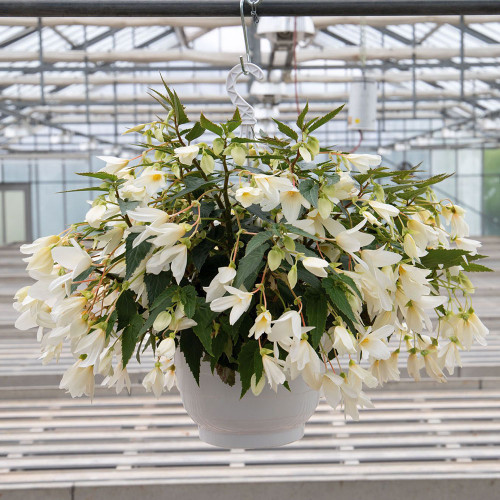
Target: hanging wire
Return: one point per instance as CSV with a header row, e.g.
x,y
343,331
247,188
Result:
x,y
253,4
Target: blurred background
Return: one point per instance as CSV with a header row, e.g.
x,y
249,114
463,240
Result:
x,y
419,89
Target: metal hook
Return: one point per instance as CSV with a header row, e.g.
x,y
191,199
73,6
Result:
x,y
253,4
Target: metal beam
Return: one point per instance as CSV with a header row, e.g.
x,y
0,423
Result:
x,y
18,36
229,8
326,31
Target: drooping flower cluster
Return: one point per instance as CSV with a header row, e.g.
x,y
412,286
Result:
x,y
271,257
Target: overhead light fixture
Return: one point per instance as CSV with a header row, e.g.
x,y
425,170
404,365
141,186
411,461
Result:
x,y
280,31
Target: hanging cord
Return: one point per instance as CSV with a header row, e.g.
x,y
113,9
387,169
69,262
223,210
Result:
x,y
359,142
295,68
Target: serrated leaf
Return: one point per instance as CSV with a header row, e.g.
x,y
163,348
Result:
x,y
134,256
104,176
258,212
164,300
338,298
156,284
258,366
249,264
325,119
472,267
235,121
126,308
204,328
192,184
127,205
96,188
188,298
208,125
349,282
129,338
257,240
285,129
309,189
302,116
111,322
443,256
200,253
195,132
246,364
316,312
192,349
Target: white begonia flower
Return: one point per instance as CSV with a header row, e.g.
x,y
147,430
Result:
x,y
343,341
325,207
386,369
274,371
271,186
113,164
110,240
78,380
305,153
39,244
133,193
166,348
371,218
165,235
187,154
239,155
449,356
216,289
174,258
344,189
414,311
119,379
68,310
92,345
162,321
170,377
350,240
288,325
431,363
262,324
414,365
152,215
41,261
238,301
316,266
413,281
180,321
302,353
151,179
467,327
330,388
467,244
74,258
379,258
248,195
384,210
291,202
411,249
154,381
357,376
424,235
454,214
363,162
95,215
374,343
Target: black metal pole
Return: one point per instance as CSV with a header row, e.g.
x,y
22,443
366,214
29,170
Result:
x,y
230,8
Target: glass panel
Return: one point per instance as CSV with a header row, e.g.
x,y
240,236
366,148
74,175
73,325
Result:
x,y
16,171
15,216
51,208
469,187
444,161
491,192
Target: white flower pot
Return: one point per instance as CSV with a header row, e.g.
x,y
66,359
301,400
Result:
x,y
268,420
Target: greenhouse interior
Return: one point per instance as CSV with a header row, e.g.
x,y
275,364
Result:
x,y
420,87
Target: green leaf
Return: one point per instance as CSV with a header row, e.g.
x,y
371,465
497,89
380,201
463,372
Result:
x,y
188,298
208,125
316,312
195,132
111,321
257,211
472,267
192,349
126,205
81,277
99,175
258,366
126,308
309,189
302,116
295,230
325,119
200,253
349,282
156,284
204,316
257,240
249,264
129,338
192,184
176,104
446,257
134,256
338,297
164,300
95,188
285,129
219,344
235,121
246,364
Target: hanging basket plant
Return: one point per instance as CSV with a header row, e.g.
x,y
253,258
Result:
x,y
266,261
